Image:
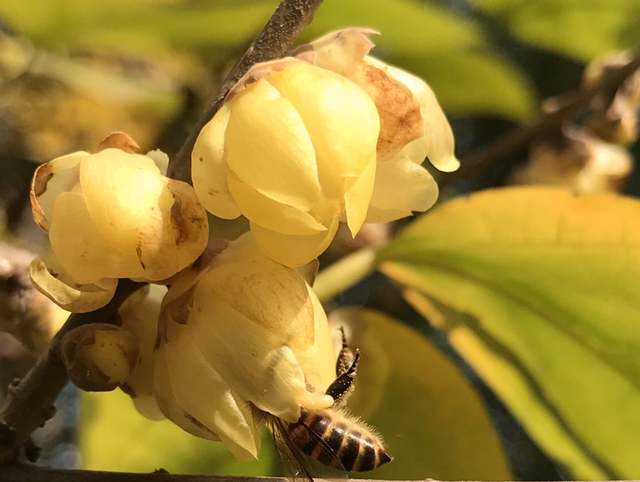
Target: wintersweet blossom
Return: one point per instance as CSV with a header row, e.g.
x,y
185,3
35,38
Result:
x,y
326,136
412,124
111,215
239,329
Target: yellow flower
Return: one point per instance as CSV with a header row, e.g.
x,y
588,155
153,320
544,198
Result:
x,y
412,124
241,328
331,135
111,215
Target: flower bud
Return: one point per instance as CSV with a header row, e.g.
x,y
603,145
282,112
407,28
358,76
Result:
x,y
139,316
99,357
111,215
241,329
298,147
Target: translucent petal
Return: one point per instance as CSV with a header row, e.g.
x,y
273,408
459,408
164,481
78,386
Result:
x,y
142,214
178,235
167,402
399,109
357,198
201,392
268,147
51,179
139,315
382,215
271,214
403,186
293,250
51,280
437,131
253,360
340,117
121,191
341,51
318,362
209,167
266,292
82,249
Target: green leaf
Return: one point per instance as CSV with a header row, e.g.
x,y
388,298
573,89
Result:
x,y
123,23
582,29
475,83
432,420
447,50
113,436
538,290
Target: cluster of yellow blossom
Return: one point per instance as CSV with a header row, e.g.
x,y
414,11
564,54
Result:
x,y
326,135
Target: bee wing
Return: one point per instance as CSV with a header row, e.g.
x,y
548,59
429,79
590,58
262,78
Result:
x,y
296,465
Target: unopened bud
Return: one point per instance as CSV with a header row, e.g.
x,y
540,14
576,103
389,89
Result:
x,y
99,357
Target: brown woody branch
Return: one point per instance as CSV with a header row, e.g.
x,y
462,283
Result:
x,y
567,106
29,403
272,42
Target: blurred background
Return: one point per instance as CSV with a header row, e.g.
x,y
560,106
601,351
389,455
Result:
x,y
72,71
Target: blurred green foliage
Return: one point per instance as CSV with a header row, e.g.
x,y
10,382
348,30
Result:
x,y
537,289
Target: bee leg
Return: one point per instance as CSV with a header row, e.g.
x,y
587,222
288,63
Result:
x,y
343,383
345,358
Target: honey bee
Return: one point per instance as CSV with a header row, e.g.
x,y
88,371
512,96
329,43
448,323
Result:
x,y
331,436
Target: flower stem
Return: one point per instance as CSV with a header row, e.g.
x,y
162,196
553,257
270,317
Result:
x,y
345,273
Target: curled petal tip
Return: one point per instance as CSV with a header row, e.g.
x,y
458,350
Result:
x,y
119,140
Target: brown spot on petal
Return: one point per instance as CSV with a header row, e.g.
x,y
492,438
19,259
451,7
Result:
x,y
119,140
38,187
139,254
178,222
399,110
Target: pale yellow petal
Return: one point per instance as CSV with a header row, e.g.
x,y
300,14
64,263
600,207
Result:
x,y
266,292
268,147
318,362
357,198
201,392
82,249
340,51
139,316
438,136
168,403
51,280
271,214
401,187
209,167
293,250
120,191
51,179
250,358
340,117
380,215
175,234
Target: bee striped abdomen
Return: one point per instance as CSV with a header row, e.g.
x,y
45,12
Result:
x,y
336,441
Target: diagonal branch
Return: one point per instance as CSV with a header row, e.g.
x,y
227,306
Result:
x,y
29,403
520,136
272,42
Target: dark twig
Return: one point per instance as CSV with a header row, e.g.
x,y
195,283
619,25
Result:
x,y
272,42
29,473
29,403
568,105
